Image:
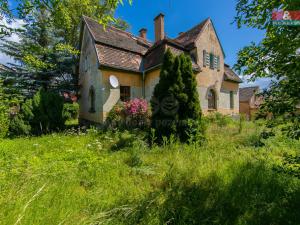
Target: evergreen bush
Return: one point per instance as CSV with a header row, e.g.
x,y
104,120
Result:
x,y
175,102
41,114
4,112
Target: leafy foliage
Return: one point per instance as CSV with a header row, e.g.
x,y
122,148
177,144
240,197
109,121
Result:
x,y
275,56
71,111
131,114
39,115
4,112
47,54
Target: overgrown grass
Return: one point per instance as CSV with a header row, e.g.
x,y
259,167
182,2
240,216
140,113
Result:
x,y
114,178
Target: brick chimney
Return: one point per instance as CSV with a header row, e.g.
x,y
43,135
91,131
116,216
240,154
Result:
x,y
159,23
143,33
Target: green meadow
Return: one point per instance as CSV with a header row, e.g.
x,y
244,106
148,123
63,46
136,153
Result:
x,y
114,177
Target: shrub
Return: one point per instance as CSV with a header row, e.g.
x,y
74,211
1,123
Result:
x,y
4,121
219,119
4,115
292,130
195,131
19,127
175,99
71,111
130,114
136,112
41,114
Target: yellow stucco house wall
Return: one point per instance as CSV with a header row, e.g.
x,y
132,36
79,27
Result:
x,y
136,62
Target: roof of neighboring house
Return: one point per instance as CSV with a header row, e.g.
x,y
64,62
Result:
x,y
122,50
247,93
230,75
4,68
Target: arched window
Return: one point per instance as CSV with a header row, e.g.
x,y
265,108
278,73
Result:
x,y
211,99
92,99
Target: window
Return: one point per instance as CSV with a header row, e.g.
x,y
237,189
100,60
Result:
x,y
212,60
86,64
92,99
211,99
231,100
125,93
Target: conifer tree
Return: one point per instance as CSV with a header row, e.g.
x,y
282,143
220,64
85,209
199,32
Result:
x,y
190,126
163,103
191,109
175,102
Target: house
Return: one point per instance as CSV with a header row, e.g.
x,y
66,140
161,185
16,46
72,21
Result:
x,y
4,69
249,101
133,63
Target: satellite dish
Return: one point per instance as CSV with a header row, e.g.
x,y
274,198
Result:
x,y
114,82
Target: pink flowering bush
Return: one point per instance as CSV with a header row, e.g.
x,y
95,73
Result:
x,y
136,107
131,114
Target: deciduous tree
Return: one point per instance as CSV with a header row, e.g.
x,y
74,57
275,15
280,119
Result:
x,y
276,56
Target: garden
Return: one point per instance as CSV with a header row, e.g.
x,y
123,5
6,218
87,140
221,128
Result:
x,y
115,177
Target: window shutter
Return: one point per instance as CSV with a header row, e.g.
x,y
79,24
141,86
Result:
x,y
204,58
218,64
211,56
207,59
215,62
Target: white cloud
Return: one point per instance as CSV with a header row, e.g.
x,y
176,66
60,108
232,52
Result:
x,y
15,24
263,83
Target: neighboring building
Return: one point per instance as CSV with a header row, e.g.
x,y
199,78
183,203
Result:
x,y
136,63
4,69
249,101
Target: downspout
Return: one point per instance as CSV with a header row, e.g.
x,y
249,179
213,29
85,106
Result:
x,y
143,85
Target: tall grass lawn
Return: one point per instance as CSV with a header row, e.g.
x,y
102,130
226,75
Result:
x,y
116,178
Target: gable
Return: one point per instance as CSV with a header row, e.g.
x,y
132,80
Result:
x,y
213,35
190,37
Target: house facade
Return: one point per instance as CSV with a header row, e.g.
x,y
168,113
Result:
x,y
136,62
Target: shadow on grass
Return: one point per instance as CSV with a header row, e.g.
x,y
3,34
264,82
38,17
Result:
x,y
251,194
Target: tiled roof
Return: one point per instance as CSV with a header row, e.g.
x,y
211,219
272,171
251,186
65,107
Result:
x,y
122,50
116,37
247,93
155,54
189,37
4,68
230,75
119,59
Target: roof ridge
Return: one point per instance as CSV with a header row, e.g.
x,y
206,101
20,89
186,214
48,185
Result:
x,y
194,27
256,86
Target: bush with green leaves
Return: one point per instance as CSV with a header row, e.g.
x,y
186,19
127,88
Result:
x,y
39,115
4,112
71,111
129,115
219,119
